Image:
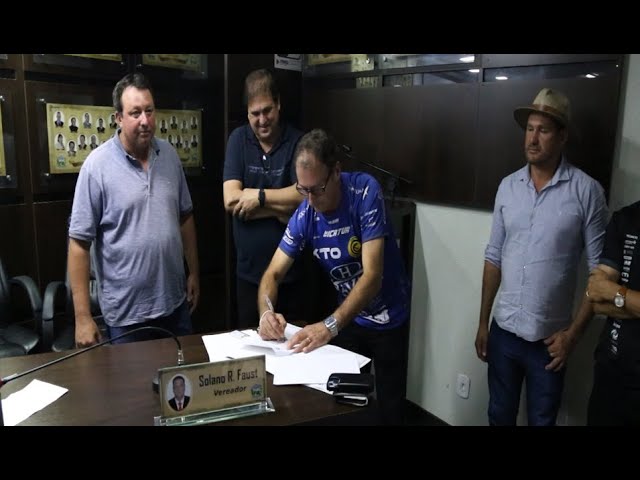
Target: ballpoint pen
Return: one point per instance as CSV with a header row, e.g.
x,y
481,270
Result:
x,y
272,310
269,304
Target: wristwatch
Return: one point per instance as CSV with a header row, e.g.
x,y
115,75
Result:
x,y
332,324
261,197
621,296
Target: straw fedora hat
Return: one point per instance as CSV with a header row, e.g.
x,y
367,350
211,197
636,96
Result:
x,y
549,102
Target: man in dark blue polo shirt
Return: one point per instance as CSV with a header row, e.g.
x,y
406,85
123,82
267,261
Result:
x,y
259,191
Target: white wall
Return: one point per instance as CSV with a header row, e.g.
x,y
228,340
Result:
x,y
447,280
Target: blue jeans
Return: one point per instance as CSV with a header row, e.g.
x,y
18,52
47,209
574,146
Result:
x,y
511,359
178,322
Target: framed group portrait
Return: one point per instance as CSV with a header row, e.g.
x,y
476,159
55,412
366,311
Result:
x,y
67,122
78,64
74,131
8,60
331,63
183,130
322,58
112,57
3,166
182,61
167,66
12,138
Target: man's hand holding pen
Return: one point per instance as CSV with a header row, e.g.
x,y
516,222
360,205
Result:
x,y
272,324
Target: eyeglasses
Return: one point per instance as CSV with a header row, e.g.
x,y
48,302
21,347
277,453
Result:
x,y
316,191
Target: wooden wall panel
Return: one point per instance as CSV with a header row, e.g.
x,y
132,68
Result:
x,y
51,239
209,216
209,316
415,132
356,119
17,242
500,141
456,141
427,139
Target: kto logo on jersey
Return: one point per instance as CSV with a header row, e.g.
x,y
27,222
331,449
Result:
x,y
354,248
326,253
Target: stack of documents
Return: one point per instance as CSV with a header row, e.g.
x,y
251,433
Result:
x,y
288,368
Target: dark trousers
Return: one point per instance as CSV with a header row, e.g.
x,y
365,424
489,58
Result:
x,y
511,359
612,403
290,303
388,349
178,322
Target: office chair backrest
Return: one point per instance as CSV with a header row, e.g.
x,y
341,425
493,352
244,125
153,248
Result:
x,y
4,295
62,336
17,336
59,335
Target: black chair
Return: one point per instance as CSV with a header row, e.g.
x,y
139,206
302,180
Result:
x,y
16,338
58,327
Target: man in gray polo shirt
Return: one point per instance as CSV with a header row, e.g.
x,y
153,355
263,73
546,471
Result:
x,y
133,203
545,214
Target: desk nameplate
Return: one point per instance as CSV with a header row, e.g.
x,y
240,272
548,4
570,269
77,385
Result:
x,y
208,392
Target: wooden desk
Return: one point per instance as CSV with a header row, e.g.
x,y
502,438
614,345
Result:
x,y
112,385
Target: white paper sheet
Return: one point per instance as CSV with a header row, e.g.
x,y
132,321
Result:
x,y
20,405
309,368
279,347
236,344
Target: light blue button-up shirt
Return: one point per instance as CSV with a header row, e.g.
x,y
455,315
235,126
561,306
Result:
x,y
537,240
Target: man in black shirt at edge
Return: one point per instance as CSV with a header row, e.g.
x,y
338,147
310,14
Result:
x,y
614,290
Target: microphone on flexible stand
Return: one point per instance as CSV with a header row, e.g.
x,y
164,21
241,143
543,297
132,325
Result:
x,y
391,178
15,376
346,149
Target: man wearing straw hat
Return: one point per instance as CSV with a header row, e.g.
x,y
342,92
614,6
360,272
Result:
x,y
545,215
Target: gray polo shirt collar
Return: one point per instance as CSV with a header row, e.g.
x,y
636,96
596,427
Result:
x,y
134,161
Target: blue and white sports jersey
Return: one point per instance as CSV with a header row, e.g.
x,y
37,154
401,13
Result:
x,y
336,240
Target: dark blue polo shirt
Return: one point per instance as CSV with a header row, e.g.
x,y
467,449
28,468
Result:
x,y
257,240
